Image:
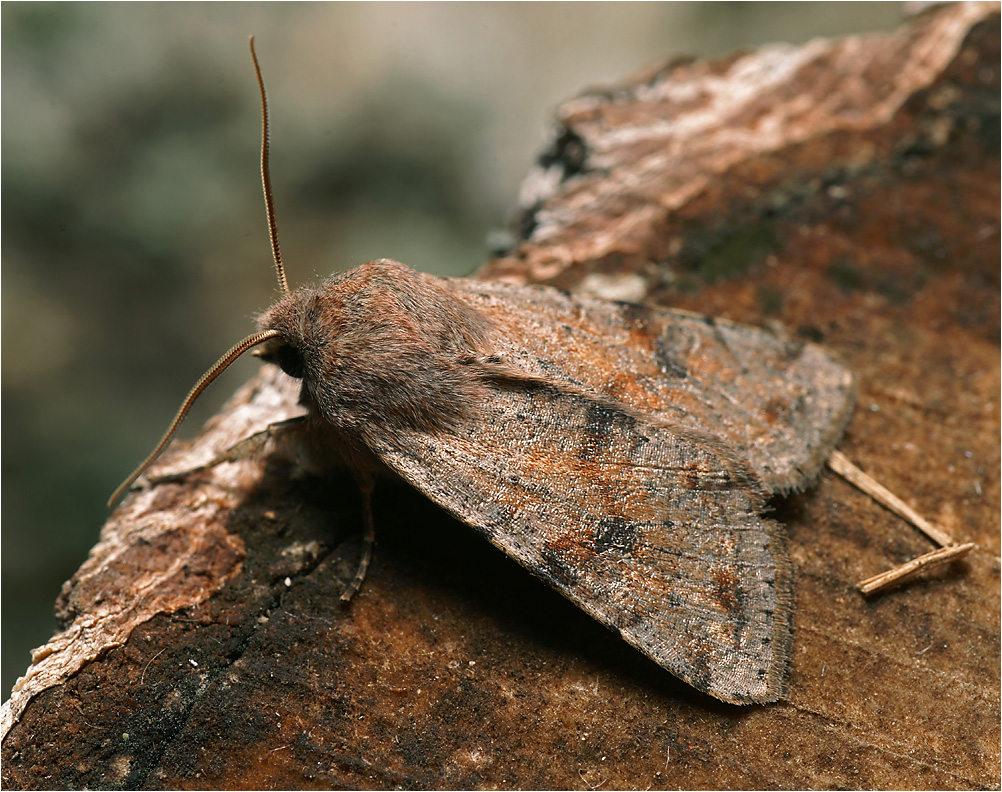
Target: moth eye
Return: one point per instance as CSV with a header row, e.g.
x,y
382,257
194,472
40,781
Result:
x,y
287,358
291,362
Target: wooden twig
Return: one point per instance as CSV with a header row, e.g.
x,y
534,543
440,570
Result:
x,y
841,465
909,568
947,551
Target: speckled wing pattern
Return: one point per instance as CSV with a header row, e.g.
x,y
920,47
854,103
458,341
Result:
x,y
781,403
641,503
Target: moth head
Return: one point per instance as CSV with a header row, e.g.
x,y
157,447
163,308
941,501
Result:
x,y
261,337
380,348
281,353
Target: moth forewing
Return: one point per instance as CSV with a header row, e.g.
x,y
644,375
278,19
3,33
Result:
x,y
646,529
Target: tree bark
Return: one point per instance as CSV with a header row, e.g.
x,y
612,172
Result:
x,y
847,190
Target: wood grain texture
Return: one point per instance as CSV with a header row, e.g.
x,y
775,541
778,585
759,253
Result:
x,y
847,190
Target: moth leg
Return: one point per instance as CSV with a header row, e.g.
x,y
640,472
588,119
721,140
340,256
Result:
x,y
368,541
247,448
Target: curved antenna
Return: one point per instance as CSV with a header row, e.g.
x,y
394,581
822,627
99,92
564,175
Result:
x,y
251,341
269,202
218,368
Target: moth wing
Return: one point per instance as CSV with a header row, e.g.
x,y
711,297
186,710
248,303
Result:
x,y
782,403
653,531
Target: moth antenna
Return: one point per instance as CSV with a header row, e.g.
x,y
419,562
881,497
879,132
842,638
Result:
x,y
269,202
206,379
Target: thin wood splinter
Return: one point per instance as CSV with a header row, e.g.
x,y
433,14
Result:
x,y
947,551
909,568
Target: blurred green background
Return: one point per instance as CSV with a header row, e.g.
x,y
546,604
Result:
x,y
134,241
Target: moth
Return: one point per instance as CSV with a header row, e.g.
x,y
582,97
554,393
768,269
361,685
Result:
x,y
623,454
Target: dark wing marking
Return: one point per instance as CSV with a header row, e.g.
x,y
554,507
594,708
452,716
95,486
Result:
x,y
782,404
653,531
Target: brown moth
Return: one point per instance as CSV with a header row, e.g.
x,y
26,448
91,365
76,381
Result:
x,y
623,454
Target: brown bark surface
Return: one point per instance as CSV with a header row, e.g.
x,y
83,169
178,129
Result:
x,y
847,190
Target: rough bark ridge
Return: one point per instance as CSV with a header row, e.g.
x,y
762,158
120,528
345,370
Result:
x,y
848,190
